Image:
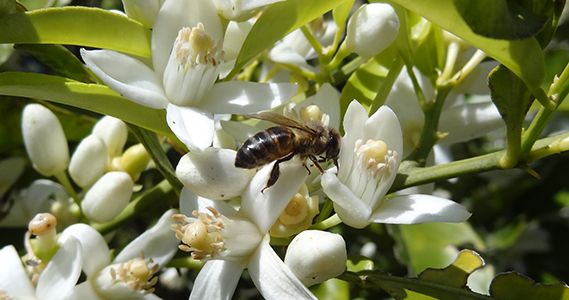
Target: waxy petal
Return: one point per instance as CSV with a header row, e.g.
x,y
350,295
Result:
x,y
13,276
273,278
469,121
157,242
127,76
354,121
83,291
193,126
416,209
217,280
95,249
240,97
62,272
349,207
190,202
175,15
264,208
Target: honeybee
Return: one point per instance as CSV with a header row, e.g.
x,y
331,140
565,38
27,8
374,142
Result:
x,y
306,138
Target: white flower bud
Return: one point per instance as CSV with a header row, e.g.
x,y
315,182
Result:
x,y
44,140
89,161
315,256
114,133
134,160
212,174
107,198
371,29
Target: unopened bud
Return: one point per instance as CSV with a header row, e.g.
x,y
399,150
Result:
x,y
134,160
315,256
114,133
44,140
107,198
371,29
89,161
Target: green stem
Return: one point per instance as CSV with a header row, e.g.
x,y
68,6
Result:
x,y
328,223
185,262
342,53
386,85
474,61
302,72
325,212
452,54
160,195
311,39
64,180
411,174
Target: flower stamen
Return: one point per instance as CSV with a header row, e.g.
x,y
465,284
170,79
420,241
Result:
x,y
194,46
376,158
136,274
201,235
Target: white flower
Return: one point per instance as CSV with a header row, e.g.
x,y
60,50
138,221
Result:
x,y
369,158
212,174
371,29
232,240
315,256
89,161
114,133
128,276
44,140
107,198
186,58
144,11
240,10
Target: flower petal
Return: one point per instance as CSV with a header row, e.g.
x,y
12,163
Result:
x,y
193,126
217,280
158,242
416,209
127,76
190,202
83,291
273,278
173,16
240,97
349,207
468,121
62,272
264,208
13,277
95,249
354,121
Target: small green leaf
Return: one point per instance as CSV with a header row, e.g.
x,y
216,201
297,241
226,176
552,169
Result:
x,y
358,263
93,97
523,57
502,19
83,26
278,20
59,59
457,273
514,286
333,289
341,12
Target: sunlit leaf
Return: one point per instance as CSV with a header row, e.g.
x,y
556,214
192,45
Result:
x,y
93,97
357,263
83,26
513,286
333,289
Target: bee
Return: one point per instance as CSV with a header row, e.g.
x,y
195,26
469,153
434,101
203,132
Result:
x,y
306,138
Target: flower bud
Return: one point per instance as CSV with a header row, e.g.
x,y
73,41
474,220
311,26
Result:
x,y
114,133
44,140
371,29
134,160
107,198
89,161
211,174
315,256
298,214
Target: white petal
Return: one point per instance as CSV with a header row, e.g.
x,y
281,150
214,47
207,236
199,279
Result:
x,y
95,249
158,242
239,131
127,76
114,132
350,208
82,291
13,277
416,209
62,272
264,208
273,278
108,197
354,121
144,11
284,53
190,202
384,125
89,161
193,126
240,97
173,16
468,121
235,35
217,280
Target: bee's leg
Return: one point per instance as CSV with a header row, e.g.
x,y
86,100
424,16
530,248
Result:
x,y
316,164
275,172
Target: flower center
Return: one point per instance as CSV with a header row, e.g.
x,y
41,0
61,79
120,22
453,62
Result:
x,y
376,158
295,211
136,274
310,112
194,46
200,236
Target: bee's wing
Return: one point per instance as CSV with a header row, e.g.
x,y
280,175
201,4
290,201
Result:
x,y
281,120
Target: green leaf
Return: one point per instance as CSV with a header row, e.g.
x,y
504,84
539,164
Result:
x,y
341,12
358,263
59,59
502,19
278,20
523,57
333,289
83,26
93,97
513,286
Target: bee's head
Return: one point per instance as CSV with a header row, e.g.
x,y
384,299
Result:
x,y
333,146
